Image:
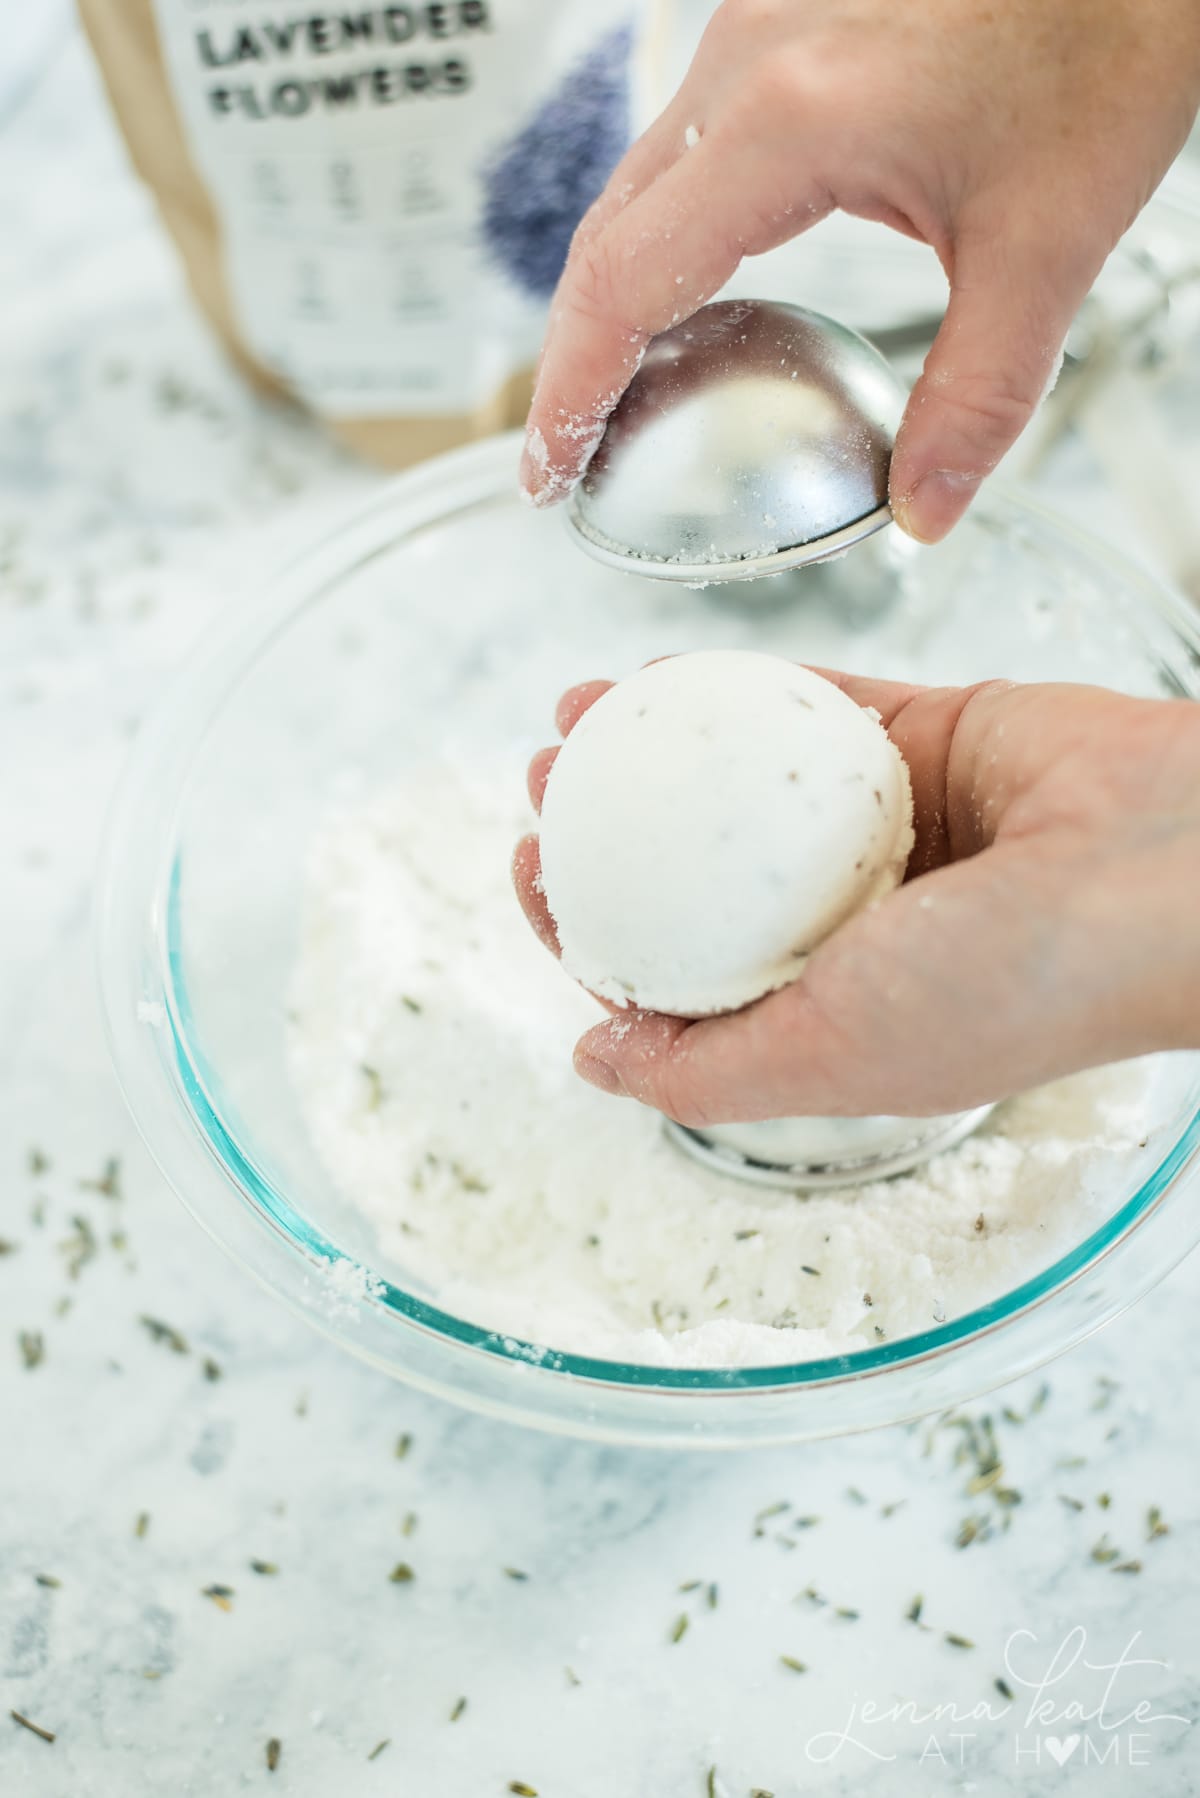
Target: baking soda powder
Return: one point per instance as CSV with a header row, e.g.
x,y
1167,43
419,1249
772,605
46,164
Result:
x,y
431,1047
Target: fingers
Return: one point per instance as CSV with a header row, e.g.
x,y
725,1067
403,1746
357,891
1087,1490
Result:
x,y
576,701
952,739
527,879
646,159
569,710
927,726
537,776
886,697
629,1057
994,357
527,861
642,162
949,966
939,963
649,264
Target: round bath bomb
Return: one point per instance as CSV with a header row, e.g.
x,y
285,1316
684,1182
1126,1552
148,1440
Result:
x,y
711,820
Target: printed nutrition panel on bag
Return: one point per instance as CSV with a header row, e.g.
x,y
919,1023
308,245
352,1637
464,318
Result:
x,y
347,153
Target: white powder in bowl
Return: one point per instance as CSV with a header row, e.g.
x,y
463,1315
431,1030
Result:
x,y
431,1049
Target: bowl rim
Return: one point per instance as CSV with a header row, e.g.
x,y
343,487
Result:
x,y
176,1101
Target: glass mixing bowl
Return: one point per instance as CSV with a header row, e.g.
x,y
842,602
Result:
x,y
445,606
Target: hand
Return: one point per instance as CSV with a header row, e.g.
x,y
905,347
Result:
x,y
1050,921
1019,138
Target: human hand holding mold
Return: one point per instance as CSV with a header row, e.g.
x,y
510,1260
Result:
x,y
1019,141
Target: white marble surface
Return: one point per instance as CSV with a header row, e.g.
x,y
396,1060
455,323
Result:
x,y
139,483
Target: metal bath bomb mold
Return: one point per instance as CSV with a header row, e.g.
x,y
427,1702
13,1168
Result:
x,y
754,437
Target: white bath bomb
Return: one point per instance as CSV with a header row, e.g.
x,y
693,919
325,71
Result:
x,y
710,821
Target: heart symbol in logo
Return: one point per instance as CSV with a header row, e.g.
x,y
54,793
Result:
x,y
1060,1751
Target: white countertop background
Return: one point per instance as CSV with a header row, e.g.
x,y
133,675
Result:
x,y
141,483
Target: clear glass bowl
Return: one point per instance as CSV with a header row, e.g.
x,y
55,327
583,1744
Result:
x,y
447,600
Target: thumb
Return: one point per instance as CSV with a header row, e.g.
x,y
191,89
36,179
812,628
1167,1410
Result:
x,y
992,361
926,1003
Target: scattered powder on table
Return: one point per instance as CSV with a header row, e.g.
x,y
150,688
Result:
x,y
431,1049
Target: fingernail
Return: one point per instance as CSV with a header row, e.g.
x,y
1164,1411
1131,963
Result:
x,y
937,502
598,1073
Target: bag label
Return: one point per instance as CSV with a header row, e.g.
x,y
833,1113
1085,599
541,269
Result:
x,y
396,185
